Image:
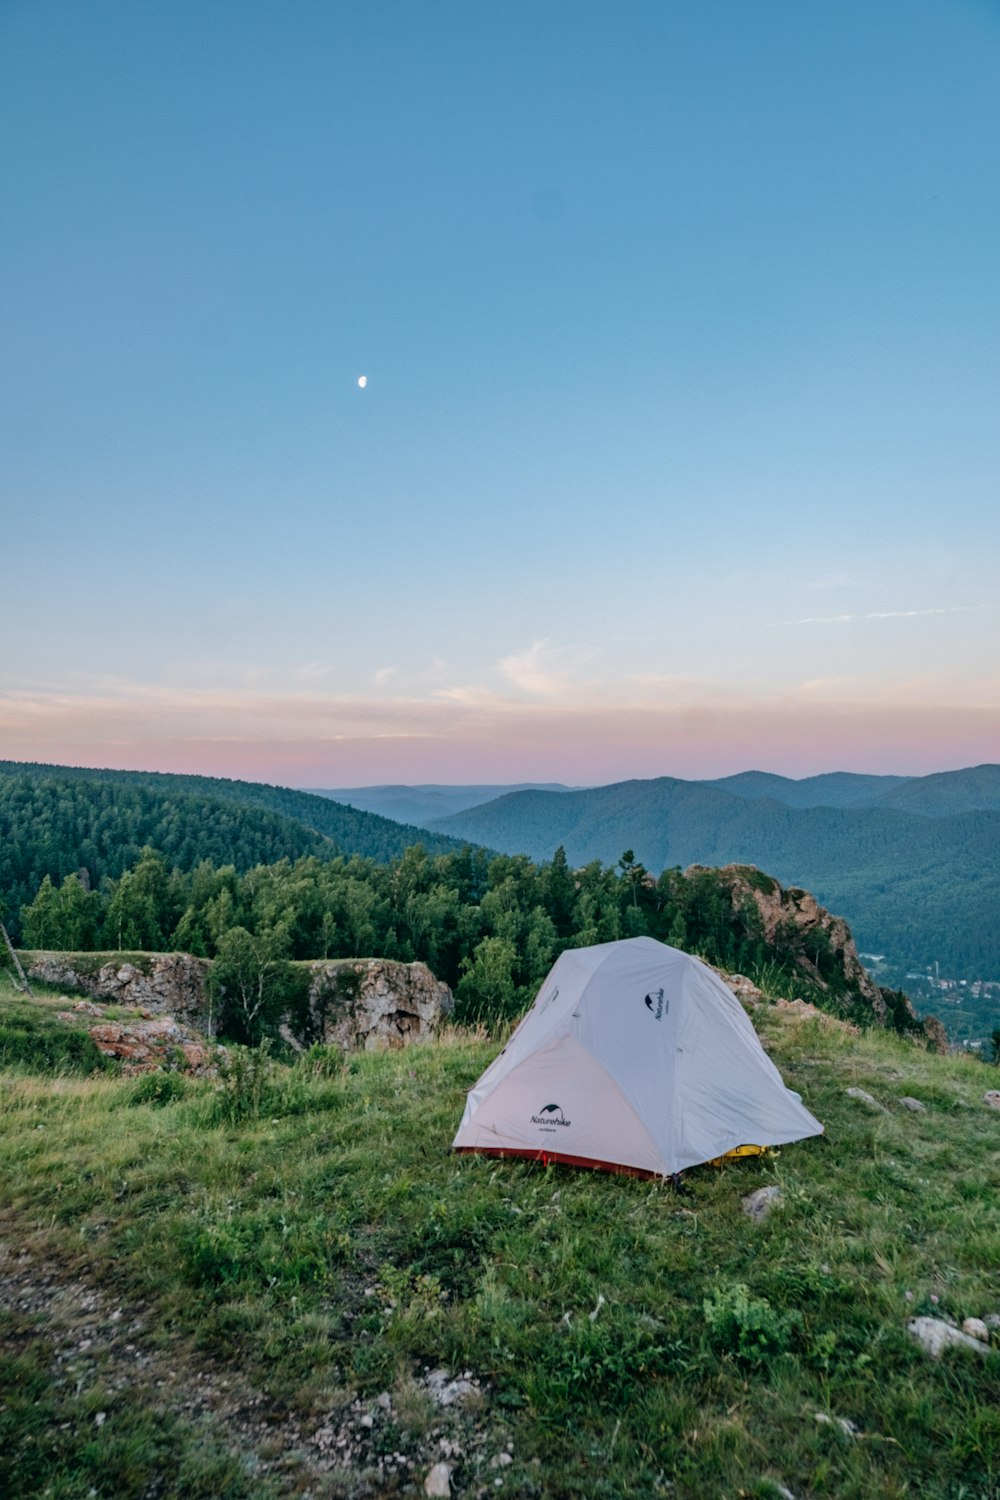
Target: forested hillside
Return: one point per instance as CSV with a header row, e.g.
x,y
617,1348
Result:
x,y
975,789
490,926
923,887
56,820
832,789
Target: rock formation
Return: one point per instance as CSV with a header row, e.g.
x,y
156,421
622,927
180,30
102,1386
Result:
x,y
145,1043
792,920
370,1004
164,983
357,1003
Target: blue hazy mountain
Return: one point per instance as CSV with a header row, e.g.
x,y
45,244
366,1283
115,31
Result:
x,y
424,804
913,863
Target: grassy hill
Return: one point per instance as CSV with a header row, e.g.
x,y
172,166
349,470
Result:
x,y
924,886
240,1289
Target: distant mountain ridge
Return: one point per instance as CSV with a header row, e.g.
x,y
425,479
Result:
x,y
831,789
425,804
913,863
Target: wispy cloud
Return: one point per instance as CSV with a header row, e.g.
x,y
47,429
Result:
x,y
473,695
533,671
314,671
886,614
382,676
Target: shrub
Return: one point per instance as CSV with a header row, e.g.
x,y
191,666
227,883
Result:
x,y
748,1327
245,1080
158,1088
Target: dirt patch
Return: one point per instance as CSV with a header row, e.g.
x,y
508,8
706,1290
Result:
x,y
348,1447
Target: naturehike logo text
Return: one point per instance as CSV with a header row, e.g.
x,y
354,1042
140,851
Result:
x,y
551,1114
656,1005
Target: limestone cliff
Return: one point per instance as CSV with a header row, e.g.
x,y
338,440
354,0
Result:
x,y
164,983
357,1003
370,1004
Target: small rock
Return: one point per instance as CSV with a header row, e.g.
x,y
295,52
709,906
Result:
x,y
992,1320
438,1481
100,1419
786,1494
935,1336
503,1459
447,1392
913,1104
758,1205
992,1098
384,1401
847,1427
976,1329
866,1098
368,1420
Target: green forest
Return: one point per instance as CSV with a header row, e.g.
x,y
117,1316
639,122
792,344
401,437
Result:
x,y
919,881
56,821
489,925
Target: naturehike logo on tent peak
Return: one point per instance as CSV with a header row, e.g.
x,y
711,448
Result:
x,y
657,1005
550,1114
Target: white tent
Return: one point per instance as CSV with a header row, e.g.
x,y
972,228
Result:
x,y
635,1057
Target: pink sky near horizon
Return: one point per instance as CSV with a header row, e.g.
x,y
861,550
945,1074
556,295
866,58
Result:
x,y
675,451
312,740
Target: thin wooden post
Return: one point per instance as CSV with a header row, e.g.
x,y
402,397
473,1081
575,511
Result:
x,y
16,961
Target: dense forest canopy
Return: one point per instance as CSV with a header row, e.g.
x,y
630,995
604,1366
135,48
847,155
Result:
x,y
489,925
55,821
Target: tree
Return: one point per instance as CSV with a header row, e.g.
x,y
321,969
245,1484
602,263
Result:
x,y
139,914
559,892
41,921
486,992
79,915
251,978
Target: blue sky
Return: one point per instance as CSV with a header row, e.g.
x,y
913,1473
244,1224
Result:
x,y
678,452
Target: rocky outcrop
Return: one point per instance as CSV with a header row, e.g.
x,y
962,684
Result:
x,y
172,984
793,921
937,1037
145,1043
376,1003
354,1003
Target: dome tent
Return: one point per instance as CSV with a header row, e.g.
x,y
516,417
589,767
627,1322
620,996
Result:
x,y
635,1057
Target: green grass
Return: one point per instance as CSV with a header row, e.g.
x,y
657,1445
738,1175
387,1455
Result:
x,y
322,1242
32,1037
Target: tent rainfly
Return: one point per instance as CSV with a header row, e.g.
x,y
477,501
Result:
x,y
635,1057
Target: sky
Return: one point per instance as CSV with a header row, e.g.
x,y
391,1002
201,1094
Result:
x,y
678,449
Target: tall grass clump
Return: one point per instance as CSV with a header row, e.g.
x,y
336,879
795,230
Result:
x,y
32,1042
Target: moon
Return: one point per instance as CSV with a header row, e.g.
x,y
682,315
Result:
x,y
362,381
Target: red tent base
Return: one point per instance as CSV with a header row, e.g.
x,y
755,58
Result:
x,y
545,1157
